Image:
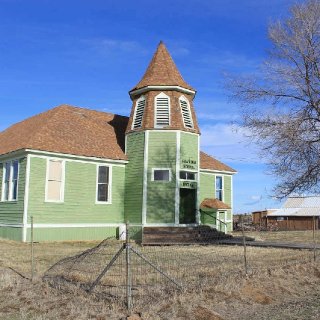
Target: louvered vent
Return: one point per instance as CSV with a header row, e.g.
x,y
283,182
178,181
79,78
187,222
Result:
x,y
186,115
162,111
137,122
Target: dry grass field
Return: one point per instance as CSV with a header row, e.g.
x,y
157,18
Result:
x,y
281,284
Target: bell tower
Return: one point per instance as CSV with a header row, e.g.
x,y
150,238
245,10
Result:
x,y
162,145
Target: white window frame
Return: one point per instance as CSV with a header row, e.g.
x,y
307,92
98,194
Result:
x,y
142,98
109,183
63,164
161,95
161,181
222,187
183,98
10,185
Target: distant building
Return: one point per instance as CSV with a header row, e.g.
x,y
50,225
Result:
x,y
260,217
297,213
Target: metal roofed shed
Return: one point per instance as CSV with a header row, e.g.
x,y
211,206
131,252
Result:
x,y
297,213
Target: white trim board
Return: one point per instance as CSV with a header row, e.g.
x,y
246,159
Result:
x,y
75,225
26,200
161,88
76,158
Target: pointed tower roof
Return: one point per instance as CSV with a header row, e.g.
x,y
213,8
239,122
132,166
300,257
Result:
x,y
162,71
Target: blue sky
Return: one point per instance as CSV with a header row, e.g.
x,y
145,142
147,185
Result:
x,y
91,53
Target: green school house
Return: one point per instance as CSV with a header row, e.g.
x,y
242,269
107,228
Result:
x,y
81,174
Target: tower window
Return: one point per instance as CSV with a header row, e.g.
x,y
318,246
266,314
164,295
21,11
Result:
x,y
138,113
161,175
162,114
185,111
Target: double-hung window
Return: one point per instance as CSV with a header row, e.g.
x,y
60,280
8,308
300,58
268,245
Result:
x,y
10,180
219,188
55,177
103,188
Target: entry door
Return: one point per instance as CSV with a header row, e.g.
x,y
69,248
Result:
x,y
187,206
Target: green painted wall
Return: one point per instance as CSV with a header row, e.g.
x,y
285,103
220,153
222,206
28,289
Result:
x,y
79,196
134,177
207,190
161,195
11,233
87,233
11,212
189,151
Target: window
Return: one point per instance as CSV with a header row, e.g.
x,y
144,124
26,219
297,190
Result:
x,y
55,174
138,114
186,113
103,184
187,175
10,180
161,175
219,191
162,113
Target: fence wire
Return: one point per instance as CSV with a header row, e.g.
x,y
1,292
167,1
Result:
x,y
158,272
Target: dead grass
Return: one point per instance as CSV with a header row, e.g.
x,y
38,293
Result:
x,y
283,236
215,285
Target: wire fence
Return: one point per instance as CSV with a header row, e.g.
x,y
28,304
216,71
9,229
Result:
x,y
136,276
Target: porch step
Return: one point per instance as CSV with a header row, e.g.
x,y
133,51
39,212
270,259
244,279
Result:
x,y
182,235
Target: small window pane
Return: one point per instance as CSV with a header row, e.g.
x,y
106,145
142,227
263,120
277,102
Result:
x,y
54,190
7,170
103,174
15,166
103,192
219,195
218,183
161,175
15,190
55,170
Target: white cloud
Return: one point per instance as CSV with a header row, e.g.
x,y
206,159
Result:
x,y
105,45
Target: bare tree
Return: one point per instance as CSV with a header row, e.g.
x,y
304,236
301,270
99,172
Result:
x,y
281,102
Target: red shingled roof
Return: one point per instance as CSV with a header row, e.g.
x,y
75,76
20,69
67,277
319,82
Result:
x,y
210,203
162,71
71,130
78,131
210,163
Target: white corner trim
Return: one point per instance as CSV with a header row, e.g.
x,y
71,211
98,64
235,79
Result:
x,y
177,195
145,177
198,217
161,88
26,200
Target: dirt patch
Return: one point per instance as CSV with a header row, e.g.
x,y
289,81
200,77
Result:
x,y
202,313
249,291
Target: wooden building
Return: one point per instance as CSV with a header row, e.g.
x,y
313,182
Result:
x,y
297,213
81,174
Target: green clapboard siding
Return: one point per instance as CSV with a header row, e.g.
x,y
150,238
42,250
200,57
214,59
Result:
x,y
207,190
11,233
58,234
161,195
11,212
189,151
134,177
79,204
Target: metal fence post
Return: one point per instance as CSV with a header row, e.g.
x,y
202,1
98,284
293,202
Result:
x,y
128,269
244,247
314,237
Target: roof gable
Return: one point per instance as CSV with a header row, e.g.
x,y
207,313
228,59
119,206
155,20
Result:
x,y
210,163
